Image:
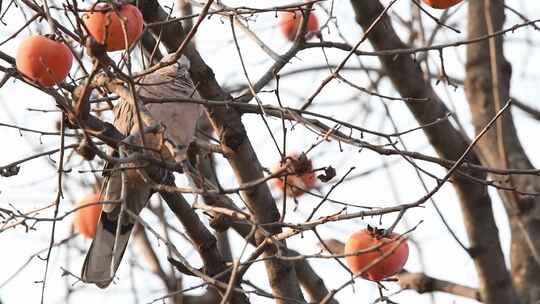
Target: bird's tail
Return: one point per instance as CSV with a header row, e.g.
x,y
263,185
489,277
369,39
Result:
x,y
111,239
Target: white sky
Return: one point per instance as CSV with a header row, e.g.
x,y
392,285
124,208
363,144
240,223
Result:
x,y
35,186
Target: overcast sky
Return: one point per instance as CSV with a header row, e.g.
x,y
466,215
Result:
x,y
36,185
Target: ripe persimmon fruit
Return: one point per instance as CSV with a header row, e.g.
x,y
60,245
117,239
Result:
x,y
86,218
289,22
43,60
105,25
300,175
365,239
441,4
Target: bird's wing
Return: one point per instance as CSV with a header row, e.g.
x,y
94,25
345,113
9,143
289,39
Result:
x,y
129,190
174,81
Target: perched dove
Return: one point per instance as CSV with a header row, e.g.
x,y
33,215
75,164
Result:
x,y
180,120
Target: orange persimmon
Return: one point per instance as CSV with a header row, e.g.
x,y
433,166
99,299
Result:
x,y
441,4
43,60
289,22
300,175
86,218
105,25
366,239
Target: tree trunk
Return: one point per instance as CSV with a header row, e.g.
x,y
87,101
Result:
x,y
523,211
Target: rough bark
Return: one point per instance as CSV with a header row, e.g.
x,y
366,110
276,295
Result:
x,y
309,279
406,76
204,241
479,85
206,168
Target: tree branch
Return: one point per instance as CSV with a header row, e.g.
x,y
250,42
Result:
x,y
422,283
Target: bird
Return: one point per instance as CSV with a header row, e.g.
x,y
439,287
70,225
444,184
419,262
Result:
x,y
179,120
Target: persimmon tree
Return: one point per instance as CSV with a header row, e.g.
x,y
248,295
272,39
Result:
x,y
234,152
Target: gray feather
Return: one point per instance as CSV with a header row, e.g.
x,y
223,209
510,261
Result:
x,y
173,81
